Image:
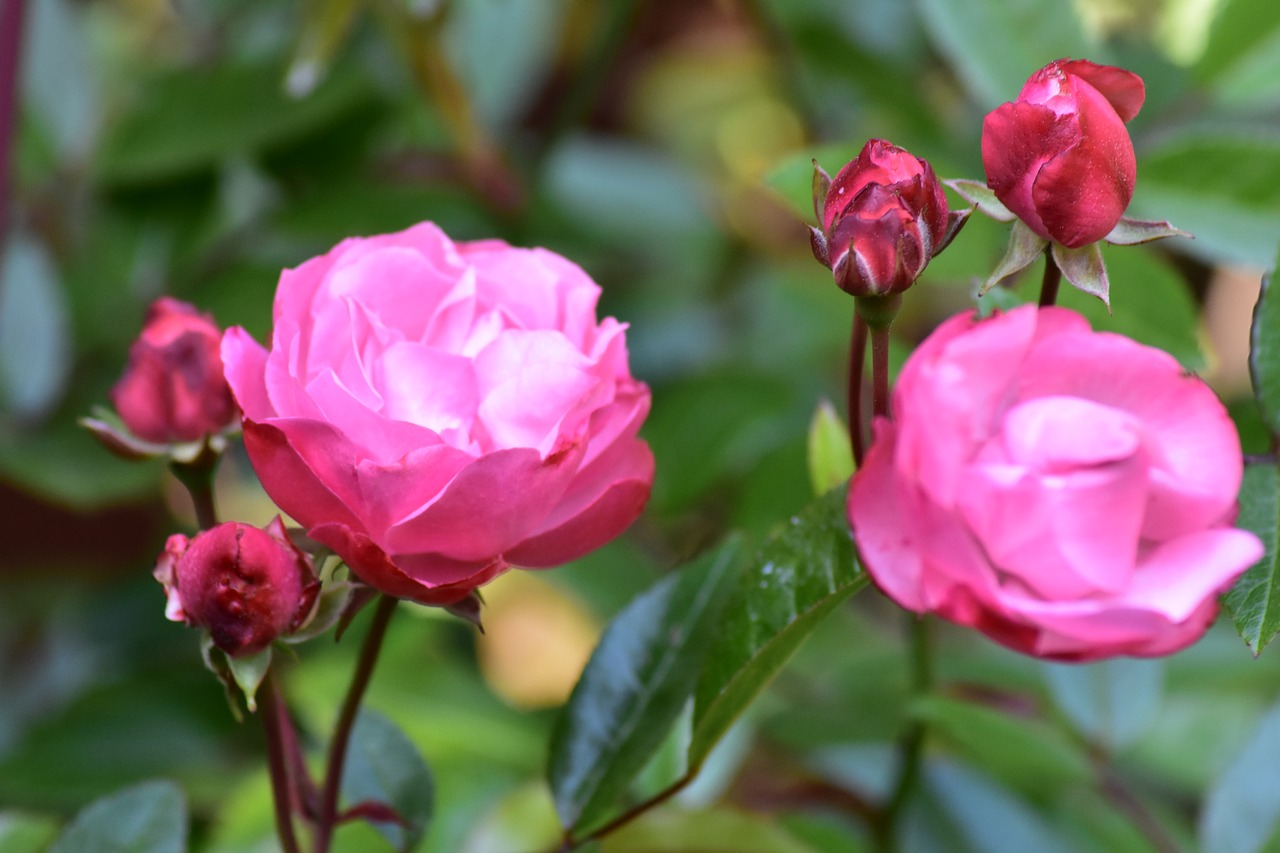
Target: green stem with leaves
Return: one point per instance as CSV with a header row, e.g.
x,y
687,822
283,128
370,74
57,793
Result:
x,y
327,815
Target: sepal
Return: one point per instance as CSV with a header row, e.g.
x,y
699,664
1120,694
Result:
x,y
821,184
983,198
1024,247
1130,232
1084,269
240,677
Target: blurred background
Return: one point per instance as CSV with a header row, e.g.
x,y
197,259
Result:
x,y
197,147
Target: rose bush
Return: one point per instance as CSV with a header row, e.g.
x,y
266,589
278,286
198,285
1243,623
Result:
x,y
1060,156
436,412
884,217
244,585
1068,493
173,387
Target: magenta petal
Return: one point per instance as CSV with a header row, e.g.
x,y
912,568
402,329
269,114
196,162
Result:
x,y
284,462
610,514
1081,193
1123,89
490,506
244,363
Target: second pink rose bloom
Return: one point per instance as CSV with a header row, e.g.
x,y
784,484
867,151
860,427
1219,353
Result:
x,y
1066,492
436,412
1060,156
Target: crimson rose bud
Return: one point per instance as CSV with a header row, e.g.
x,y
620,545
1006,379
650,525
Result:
x,y
884,217
246,586
1060,156
173,388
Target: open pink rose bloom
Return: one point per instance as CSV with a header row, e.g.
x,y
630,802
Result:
x,y
1068,493
437,412
1060,156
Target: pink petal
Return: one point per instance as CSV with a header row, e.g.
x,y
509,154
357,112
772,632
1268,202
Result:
x,y
1123,89
244,363
426,386
303,470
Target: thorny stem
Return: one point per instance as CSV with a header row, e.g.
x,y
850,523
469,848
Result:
x,y
275,721
1052,278
857,360
911,745
328,812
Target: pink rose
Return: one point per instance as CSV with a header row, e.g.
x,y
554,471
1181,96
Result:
x,y
246,586
1060,156
173,388
1068,493
884,217
436,412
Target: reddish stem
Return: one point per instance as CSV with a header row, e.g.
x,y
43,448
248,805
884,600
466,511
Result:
x,y
275,720
857,361
328,813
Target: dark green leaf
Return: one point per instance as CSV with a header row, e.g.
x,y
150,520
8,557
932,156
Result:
x,y
675,831
385,767
196,118
1030,34
1264,354
634,686
1025,754
147,818
1242,807
1254,601
800,575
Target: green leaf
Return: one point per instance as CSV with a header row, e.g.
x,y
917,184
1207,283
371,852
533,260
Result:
x,y
1242,57
196,118
989,818
147,818
830,454
1024,754
799,576
634,686
1112,702
1223,189
1264,354
1254,601
1243,806
25,833
1030,34
385,767
673,831
35,333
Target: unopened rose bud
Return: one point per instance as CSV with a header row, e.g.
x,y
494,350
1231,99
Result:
x,y
884,217
1060,156
246,586
173,389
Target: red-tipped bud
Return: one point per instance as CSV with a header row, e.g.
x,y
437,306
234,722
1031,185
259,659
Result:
x,y
884,217
1060,156
173,389
244,585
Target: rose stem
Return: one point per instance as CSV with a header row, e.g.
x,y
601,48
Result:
x,y
880,370
1052,278
347,718
197,476
11,13
275,719
857,358
911,745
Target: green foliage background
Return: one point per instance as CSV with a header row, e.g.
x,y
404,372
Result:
x,y
197,148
